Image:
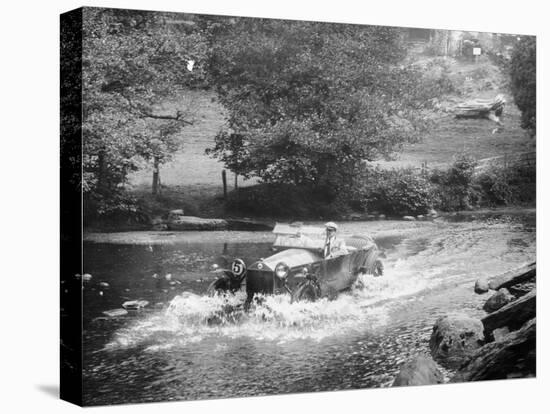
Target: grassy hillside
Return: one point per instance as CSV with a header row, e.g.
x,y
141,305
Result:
x,y
450,136
193,180
190,164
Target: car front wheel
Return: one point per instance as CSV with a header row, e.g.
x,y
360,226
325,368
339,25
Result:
x,y
306,292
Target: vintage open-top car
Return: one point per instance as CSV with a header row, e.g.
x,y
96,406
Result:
x,y
299,267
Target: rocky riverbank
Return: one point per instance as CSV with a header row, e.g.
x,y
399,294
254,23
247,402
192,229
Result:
x,y
501,345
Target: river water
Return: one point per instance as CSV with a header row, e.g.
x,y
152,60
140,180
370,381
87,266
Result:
x,y
185,345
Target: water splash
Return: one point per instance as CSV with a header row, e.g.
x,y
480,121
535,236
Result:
x,y
192,318
456,254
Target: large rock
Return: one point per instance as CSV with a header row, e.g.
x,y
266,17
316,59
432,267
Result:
x,y
481,286
513,356
419,370
498,300
454,338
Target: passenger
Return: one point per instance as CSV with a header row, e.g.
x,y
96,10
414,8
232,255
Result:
x,y
333,246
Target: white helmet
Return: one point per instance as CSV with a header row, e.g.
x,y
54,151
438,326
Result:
x,y
331,225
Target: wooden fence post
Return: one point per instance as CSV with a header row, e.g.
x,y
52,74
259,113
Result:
x,y
224,181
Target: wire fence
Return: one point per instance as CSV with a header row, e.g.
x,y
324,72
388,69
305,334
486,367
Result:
x,y
509,160
520,159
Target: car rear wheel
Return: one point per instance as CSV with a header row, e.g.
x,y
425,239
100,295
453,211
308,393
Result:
x,y
306,292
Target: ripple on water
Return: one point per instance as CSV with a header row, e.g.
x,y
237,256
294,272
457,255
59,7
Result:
x,y
199,346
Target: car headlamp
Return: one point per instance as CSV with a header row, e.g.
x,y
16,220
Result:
x,y
281,270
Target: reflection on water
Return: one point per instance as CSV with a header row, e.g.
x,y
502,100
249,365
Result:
x,y
185,345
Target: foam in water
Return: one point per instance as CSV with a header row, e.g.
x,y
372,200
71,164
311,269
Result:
x,y
191,318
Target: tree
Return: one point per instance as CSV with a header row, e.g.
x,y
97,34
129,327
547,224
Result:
x,y
308,102
136,66
523,73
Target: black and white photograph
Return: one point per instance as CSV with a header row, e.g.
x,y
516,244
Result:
x,y
274,206
280,206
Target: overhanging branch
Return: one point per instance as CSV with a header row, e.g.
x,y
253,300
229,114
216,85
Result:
x,y
145,113
177,117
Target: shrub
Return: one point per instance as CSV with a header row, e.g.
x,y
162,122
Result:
x,y
117,206
455,186
437,80
505,185
285,200
396,192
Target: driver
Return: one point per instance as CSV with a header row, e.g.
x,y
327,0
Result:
x,y
333,246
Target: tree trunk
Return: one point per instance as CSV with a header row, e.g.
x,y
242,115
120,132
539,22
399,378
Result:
x,y
224,183
156,176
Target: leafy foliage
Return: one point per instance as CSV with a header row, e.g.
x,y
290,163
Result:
x,y
523,73
456,187
506,185
309,101
287,201
133,63
396,192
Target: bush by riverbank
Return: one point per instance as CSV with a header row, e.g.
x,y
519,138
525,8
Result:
x,y
375,192
395,193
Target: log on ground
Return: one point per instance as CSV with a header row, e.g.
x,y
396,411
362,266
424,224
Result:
x,y
514,356
196,223
512,315
514,277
